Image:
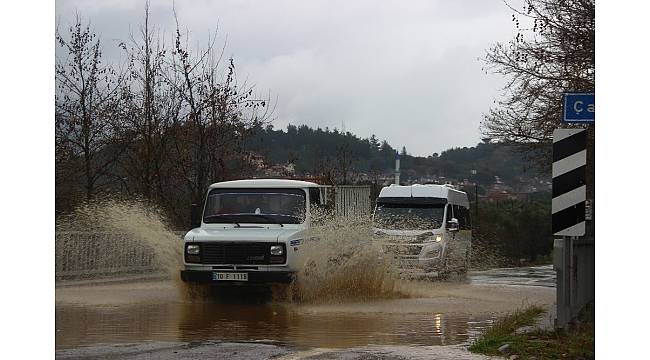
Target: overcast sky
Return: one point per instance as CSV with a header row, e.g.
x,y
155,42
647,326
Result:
x,y
407,71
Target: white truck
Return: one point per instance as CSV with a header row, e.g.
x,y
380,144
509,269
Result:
x,y
427,228
250,232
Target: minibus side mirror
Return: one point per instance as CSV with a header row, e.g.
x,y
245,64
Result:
x,y
452,225
195,216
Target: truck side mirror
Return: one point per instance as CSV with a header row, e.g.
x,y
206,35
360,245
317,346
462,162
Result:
x,y
452,225
195,216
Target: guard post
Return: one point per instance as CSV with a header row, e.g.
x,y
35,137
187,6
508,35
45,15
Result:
x,y
572,210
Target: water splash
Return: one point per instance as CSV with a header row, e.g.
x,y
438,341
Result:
x,y
342,262
104,238
107,237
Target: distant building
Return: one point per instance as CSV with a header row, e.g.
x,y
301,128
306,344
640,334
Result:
x,y
281,171
499,191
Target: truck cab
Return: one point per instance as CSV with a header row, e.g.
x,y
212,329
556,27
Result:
x,y
426,228
250,232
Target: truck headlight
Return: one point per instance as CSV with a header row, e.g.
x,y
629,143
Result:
x,y
277,250
193,249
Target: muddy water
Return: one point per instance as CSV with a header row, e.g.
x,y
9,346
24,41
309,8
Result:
x,y
437,314
201,322
346,300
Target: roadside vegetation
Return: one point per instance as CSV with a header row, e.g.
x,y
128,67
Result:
x,y
512,233
504,339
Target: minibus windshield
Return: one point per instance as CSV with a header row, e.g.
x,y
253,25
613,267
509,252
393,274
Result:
x,y
409,216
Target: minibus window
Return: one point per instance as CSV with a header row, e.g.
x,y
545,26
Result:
x,y
409,216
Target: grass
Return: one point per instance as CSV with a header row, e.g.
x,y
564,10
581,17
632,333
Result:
x,y
577,343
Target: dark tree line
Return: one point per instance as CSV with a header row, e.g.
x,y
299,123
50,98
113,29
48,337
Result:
x,y
163,126
333,153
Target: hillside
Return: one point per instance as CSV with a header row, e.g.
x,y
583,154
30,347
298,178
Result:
x,y
317,151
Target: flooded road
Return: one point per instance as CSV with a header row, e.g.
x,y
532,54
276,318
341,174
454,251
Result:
x,y
435,313
529,276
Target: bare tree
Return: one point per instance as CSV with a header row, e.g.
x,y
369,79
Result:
x,y
87,105
165,129
555,54
216,115
152,107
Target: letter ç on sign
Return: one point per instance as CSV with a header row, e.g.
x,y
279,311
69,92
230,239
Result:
x,y
579,108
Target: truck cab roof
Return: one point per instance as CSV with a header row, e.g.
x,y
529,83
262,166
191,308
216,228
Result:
x,y
264,183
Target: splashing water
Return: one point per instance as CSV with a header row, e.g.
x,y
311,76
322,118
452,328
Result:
x,y
108,238
115,237
342,262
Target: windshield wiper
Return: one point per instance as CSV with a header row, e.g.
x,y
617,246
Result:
x,y
224,216
270,218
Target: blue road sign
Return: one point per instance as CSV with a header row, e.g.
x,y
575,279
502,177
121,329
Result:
x,y
579,108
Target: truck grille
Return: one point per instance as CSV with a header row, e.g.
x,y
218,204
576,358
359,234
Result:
x,y
235,253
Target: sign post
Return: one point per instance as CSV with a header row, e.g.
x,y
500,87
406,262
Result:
x,y
573,247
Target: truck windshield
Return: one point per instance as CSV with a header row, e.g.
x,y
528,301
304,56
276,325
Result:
x,y
409,216
260,206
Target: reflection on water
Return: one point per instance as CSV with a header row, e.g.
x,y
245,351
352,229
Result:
x,y
285,323
435,314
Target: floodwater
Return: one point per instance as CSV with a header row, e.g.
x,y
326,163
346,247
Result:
x,y
435,313
347,297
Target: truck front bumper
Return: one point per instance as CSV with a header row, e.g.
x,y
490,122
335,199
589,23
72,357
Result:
x,y
254,277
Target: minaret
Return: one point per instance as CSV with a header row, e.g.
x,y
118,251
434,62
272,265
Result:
x,y
397,168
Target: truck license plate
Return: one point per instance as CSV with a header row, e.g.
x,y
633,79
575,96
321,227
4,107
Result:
x,y
227,276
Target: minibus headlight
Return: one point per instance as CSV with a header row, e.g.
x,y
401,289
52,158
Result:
x,y
434,238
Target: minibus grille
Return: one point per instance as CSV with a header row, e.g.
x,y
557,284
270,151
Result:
x,y
402,249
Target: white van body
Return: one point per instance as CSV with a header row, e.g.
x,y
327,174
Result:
x,y
251,232
426,227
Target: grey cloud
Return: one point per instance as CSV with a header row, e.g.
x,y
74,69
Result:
x,y
405,71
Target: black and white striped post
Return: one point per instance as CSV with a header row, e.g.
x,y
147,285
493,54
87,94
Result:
x,y
569,181
568,214
572,214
